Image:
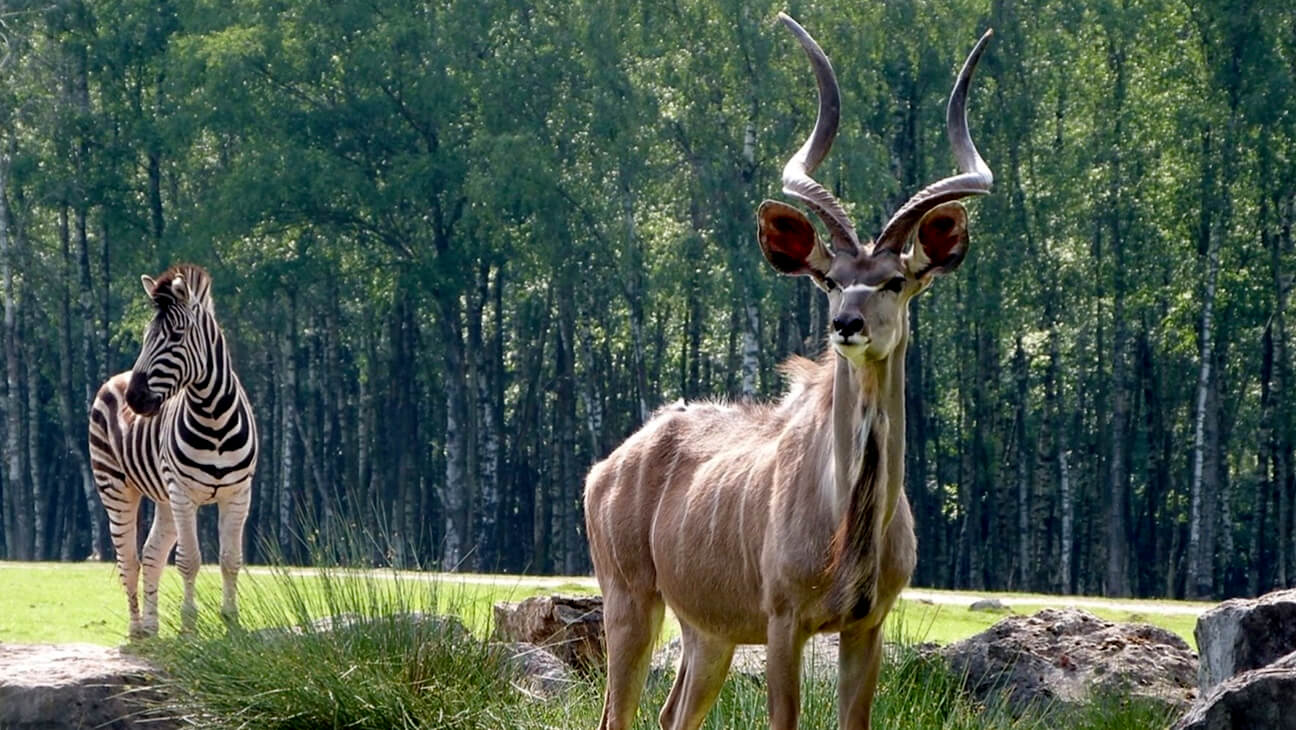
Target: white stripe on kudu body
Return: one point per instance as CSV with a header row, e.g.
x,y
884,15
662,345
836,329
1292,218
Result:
x,y
177,429
768,523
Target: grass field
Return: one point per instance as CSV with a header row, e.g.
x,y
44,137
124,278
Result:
x,y
84,602
385,673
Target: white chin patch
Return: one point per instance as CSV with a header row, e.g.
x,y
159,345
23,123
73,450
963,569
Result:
x,y
849,346
856,349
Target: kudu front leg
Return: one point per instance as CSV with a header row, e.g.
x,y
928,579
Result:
x,y
859,662
783,672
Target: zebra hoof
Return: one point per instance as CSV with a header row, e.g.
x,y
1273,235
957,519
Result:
x,y
141,631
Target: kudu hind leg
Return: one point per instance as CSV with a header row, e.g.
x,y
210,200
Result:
x,y
702,673
630,625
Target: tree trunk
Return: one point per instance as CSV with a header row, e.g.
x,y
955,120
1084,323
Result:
x,y
73,423
455,493
1200,579
157,221
1282,460
18,526
568,492
287,421
105,303
484,358
40,502
1057,423
1117,577
1024,548
750,347
926,502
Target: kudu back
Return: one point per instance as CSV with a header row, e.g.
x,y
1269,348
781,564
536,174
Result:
x,y
768,523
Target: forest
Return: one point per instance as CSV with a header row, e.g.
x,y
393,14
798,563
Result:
x,y
462,248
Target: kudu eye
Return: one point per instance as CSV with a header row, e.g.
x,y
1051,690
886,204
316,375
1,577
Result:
x,y
829,284
895,285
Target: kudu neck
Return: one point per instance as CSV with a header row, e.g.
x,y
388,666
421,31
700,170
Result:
x,y
869,402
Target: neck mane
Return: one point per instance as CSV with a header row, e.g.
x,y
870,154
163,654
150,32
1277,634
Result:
x,y
213,395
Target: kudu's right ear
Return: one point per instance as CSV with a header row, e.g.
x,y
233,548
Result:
x,y
789,241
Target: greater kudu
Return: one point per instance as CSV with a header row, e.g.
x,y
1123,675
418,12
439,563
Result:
x,y
765,524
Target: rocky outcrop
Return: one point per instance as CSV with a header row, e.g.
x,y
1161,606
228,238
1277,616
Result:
x,y
818,658
537,673
43,687
571,627
1243,634
1248,668
1070,656
1256,698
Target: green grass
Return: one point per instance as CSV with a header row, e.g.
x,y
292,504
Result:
x,y
946,623
84,602
388,673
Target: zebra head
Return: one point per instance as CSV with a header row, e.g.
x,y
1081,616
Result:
x,y
174,353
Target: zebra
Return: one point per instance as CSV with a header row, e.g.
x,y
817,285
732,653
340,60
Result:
x,y
178,429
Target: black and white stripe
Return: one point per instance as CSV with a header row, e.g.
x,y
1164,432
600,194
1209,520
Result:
x,y
178,429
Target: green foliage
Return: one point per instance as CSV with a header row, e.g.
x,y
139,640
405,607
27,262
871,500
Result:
x,y
474,244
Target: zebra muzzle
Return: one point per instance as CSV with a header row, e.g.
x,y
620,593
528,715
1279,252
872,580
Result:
x,y
140,398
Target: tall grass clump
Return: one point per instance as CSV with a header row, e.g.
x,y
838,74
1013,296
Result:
x,y
339,646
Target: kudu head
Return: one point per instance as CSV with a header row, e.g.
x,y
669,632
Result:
x,y
869,284
171,357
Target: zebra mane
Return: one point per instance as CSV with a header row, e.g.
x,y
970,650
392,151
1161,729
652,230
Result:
x,y
195,277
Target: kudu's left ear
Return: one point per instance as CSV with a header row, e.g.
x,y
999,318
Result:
x,y
789,241
940,242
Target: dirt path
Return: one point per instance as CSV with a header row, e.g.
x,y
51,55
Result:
x,y
944,598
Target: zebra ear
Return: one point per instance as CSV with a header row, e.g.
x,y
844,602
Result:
x,y
149,284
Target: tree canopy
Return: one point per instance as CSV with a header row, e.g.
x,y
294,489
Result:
x,y
461,249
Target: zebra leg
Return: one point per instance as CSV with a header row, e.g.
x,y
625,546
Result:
x,y
184,511
233,514
122,502
161,538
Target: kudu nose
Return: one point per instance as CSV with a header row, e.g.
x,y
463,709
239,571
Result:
x,y
848,324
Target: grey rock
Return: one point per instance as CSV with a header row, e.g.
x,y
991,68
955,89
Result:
x,y
1242,634
52,687
992,605
537,673
571,627
1257,698
1066,656
818,658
